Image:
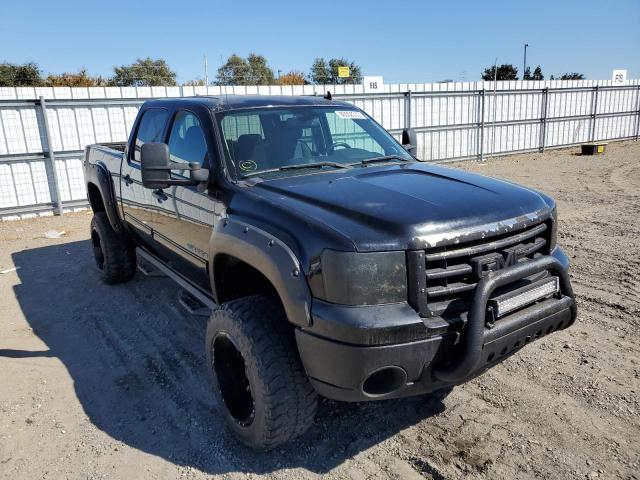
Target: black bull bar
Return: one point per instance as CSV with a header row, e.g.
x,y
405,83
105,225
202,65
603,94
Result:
x,y
481,345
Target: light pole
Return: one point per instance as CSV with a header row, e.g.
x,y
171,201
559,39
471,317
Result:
x,y
524,68
206,72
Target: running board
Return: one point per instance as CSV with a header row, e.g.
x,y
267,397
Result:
x,y
192,305
186,285
148,270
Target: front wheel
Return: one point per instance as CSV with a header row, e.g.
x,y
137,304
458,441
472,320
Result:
x,y
259,383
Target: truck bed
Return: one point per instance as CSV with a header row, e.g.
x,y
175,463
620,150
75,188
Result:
x,y
118,146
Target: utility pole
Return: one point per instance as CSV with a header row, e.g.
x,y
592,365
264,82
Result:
x,y
206,72
495,96
524,68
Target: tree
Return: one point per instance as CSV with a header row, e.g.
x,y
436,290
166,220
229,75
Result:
x,y
293,77
506,71
254,70
196,82
527,74
571,76
80,79
537,73
320,72
325,72
144,73
25,75
259,71
234,72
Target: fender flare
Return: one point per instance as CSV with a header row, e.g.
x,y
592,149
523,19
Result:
x,y
98,174
271,257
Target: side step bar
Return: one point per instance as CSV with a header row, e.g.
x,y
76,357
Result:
x,y
186,285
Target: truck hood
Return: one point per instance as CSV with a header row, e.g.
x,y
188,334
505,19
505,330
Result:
x,y
407,206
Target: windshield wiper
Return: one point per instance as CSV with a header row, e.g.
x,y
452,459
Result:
x,y
298,166
384,158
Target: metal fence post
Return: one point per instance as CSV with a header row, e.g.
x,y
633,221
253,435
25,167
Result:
x,y
481,126
543,118
638,114
50,160
594,113
407,109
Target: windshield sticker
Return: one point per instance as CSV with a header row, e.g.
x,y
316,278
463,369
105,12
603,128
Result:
x,y
248,165
350,114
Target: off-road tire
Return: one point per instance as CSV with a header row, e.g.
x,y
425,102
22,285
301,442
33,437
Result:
x,y
284,402
114,253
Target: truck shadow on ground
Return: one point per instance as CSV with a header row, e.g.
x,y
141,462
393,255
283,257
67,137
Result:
x,y
138,369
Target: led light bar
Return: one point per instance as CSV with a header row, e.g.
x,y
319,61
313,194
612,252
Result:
x,y
509,302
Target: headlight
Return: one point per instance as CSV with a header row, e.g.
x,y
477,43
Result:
x,y
351,278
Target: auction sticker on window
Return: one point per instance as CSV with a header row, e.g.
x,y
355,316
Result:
x,y
350,114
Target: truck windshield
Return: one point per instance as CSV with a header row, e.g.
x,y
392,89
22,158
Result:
x,y
259,142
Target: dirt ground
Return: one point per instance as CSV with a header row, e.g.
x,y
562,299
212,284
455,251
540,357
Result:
x,y
109,382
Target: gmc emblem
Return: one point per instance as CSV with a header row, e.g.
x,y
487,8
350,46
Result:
x,y
492,262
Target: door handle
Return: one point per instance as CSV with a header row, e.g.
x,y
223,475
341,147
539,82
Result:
x,y
127,179
159,195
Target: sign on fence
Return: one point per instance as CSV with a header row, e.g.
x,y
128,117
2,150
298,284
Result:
x,y
343,72
619,76
373,84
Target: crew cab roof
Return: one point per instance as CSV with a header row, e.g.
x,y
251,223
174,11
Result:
x,y
234,102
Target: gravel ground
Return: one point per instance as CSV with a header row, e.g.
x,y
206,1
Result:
x,y
109,382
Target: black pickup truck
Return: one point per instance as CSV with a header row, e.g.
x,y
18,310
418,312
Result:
x,y
334,262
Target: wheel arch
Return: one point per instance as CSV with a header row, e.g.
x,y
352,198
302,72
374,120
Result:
x,y
253,250
101,194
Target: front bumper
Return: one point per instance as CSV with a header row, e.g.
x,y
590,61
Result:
x,y
348,346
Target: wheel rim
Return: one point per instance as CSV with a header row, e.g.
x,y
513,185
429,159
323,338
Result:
x,y
233,382
98,254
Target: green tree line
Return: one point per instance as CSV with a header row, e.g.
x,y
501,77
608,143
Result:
x,y
252,70
507,71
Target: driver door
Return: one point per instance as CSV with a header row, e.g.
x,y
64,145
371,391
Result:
x,y
186,215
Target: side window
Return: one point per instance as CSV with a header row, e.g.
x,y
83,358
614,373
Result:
x,y
186,140
150,129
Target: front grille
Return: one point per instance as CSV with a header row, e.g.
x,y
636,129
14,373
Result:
x,y
442,280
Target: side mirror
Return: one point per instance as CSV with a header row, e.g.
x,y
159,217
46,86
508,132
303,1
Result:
x,y
156,168
155,165
410,141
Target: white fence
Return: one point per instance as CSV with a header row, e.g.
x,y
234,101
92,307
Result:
x,y
43,131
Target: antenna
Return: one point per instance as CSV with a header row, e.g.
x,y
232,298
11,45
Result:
x,y
327,95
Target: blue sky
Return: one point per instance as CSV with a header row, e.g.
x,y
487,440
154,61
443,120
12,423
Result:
x,y
405,41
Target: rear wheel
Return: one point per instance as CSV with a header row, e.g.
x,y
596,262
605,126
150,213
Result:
x,y
114,253
260,386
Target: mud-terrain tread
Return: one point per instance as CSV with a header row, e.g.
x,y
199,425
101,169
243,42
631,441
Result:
x,y
260,329
118,250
